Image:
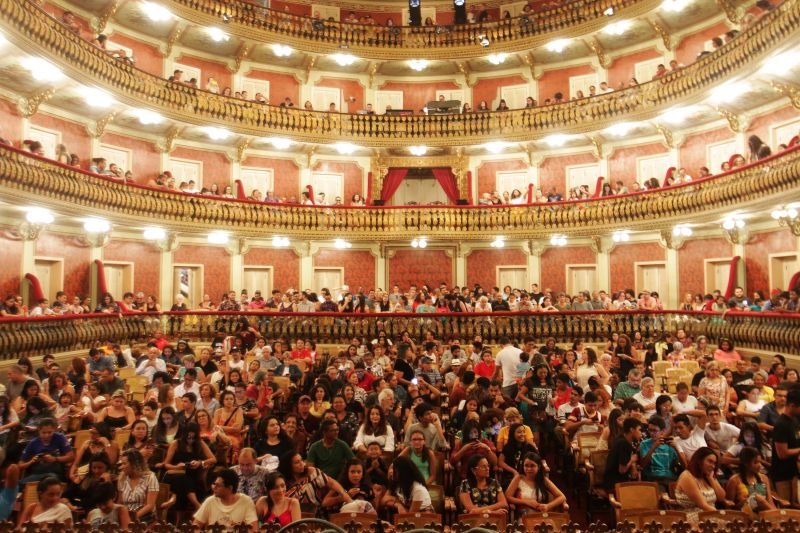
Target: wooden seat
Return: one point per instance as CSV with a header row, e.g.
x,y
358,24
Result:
x,y
164,501
121,437
675,373
586,442
30,494
662,517
134,381
79,438
364,520
495,521
690,366
126,372
778,516
723,516
557,520
596,468
418,520
660,368
635,496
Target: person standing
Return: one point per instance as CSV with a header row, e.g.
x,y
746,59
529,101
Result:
x,y
786,444
506,363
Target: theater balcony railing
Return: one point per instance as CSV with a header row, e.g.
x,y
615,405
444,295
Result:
x,y
774,332
455,41
26,179
35,31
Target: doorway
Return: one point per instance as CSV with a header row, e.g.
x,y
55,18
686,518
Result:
x,y
419,187
652,276
188,281
514,276
581,278
329,278
119,278
782,267
50,272
258,278
717,272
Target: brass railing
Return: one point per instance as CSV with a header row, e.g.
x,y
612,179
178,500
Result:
x,y
453,41
27,179
36,31
762,331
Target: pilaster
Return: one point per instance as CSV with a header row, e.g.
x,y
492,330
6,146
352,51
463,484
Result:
x,y
29,234
461,253
306,253
237,248
602,247
671,244
534,251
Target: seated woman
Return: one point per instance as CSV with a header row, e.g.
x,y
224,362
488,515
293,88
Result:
x,y
479,491
532,490
698,489
750,407
749,488
354,481
749,436
99,442
374,429
106,510
510,460
49,509
308,483
80,492
185,462
407,492
422,456
137,486
272,441
472,444
139,440
276,506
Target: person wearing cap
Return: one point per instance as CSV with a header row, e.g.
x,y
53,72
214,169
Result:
x,y
451,377
426,372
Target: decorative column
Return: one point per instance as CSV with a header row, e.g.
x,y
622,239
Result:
x,y
738,124
602,152
534,251
602,247
379,251
673,141
29,234
96,242
166,247
236,159
237,248
671,243
461,253
306,254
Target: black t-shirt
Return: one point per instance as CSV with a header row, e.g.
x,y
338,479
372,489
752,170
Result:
x,y
698,378
787,431
208,368
619,455
405,368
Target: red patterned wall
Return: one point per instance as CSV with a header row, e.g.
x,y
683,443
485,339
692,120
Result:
x,y
415,267
691,265
487,174
482,265
12,264
76,260
359,267
761,125
554,261
285,175
216,166
147,57
757,253
146,159
689,47
553,171
693,153
349,88
417,95
624,68
57,11
291,7
281,85
215,69
216,268
622,259
146,263
285,266
10,122
622,163
73,135
353,177
553,81
489,89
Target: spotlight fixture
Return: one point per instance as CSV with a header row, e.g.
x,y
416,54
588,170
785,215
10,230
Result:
x,y
39,216
280,242
280,143
154,234
788,216
495,147
418,151
497,59
42,70
621,236
556,140
218,237
780,213
617,28
216,134
344,60
422,242
96,98
621,129
217,35
342,244
557,46
498,242
96,225
609,12
674,6
418,64
682,230
345,148
147,117
281,50
558,240
156,12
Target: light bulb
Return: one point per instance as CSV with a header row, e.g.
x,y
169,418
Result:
x,y
96,225
39,215
154,234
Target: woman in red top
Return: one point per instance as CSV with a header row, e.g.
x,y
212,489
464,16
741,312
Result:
x,y
486,366
276,506
562,391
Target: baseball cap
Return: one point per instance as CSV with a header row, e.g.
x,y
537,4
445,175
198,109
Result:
x,y
426,359
304,398
455,362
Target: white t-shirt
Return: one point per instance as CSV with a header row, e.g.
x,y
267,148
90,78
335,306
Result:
x,y
725,436
696,440
508,359
213,511
421,494
681,407
646,401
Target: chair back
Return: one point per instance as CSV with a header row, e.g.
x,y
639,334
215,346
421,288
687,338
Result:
x,y
126,372
637,495
495,521
80,438
362,519
164,494
121,437
418,520
437,498
598,459
690,366
557,520
30,494
723,516
587,442
779,516
662,517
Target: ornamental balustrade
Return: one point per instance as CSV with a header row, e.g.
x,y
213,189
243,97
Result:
x,y
34,30
775,332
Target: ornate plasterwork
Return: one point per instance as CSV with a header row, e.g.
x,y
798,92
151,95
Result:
x,y
790,91
173,37
659,28
670,241
536,248
463,68
528,60
241,55
599,51
99,24
737,123
308,66
96,240
168,244
168,143
736,235
241,149
238,246
731,11
457,163
98,127
672,139
28,106
29,232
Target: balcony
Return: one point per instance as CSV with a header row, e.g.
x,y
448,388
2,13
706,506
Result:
x,y
34,30
773,332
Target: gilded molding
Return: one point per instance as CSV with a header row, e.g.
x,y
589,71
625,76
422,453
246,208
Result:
x,y
98,127
29,106
529,61
238,246
241,55
372,70
599,150
536,248
463,68
598,50
173,37
168,143
95,240
241,149
99,24
29,232
736,235
308,66
168,244
659,28
731,11
669,241
736,123
792,92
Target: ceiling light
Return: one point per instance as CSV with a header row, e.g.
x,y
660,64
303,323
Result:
x,y
418,151
344,60
497,59
682,230
280,242
678,115
495,147
216,134
96,98
281,50
621,129
280,143
617,28
422,242
345,148
3,40
154,234
733,222
674,6
725,94
609,12
218,237
39,215
556,140
781,64
96,225
498,242
156,12
41,70
341,244
557,46
558,240
146,116
785,213
217,35
621,236
418,64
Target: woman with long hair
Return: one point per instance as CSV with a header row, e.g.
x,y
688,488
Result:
x,y
48,509
697,489
137,486
167,427
355,481
186,460
589,367
422,456
139,440
230,419
272,440
307,483
276,506
750,487
407,492
212,435
472,443
532,490
625,356
479,491
612,430
510,459
374,429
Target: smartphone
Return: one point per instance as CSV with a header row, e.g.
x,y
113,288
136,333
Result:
x,y
414,381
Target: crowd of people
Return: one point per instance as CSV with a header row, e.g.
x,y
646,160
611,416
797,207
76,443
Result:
x,y
250,430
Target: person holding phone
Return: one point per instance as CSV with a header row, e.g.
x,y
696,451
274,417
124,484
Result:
x,y
659,454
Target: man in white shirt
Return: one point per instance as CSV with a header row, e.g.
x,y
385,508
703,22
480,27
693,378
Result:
x,y
604,88
683,402
719,435
189,384
506,364
689,439
585,418
226,507
151,365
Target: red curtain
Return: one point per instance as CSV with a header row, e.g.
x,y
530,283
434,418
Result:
x,y
392,181
447,180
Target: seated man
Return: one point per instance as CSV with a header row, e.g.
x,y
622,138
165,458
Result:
x,y
658,454
46,454
226,507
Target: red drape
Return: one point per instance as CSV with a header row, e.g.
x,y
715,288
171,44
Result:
x,y
310,190
36,287
101,278
531,194
240,194
732,277
447,180
392,181
368,199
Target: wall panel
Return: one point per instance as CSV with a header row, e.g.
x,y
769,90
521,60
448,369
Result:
x,y
216,268
691,266
622,259
554,261
285,266
482,265
757,252
359,267
487,174
553,171
146,158
10,274
417,95
146,260
414,267
76,260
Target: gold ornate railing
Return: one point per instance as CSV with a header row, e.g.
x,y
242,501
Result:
x,y
762,331
35,30
27,179
461,41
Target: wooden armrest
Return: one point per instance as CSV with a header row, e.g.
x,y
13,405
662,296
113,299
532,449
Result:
x,y
614,502
588,466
